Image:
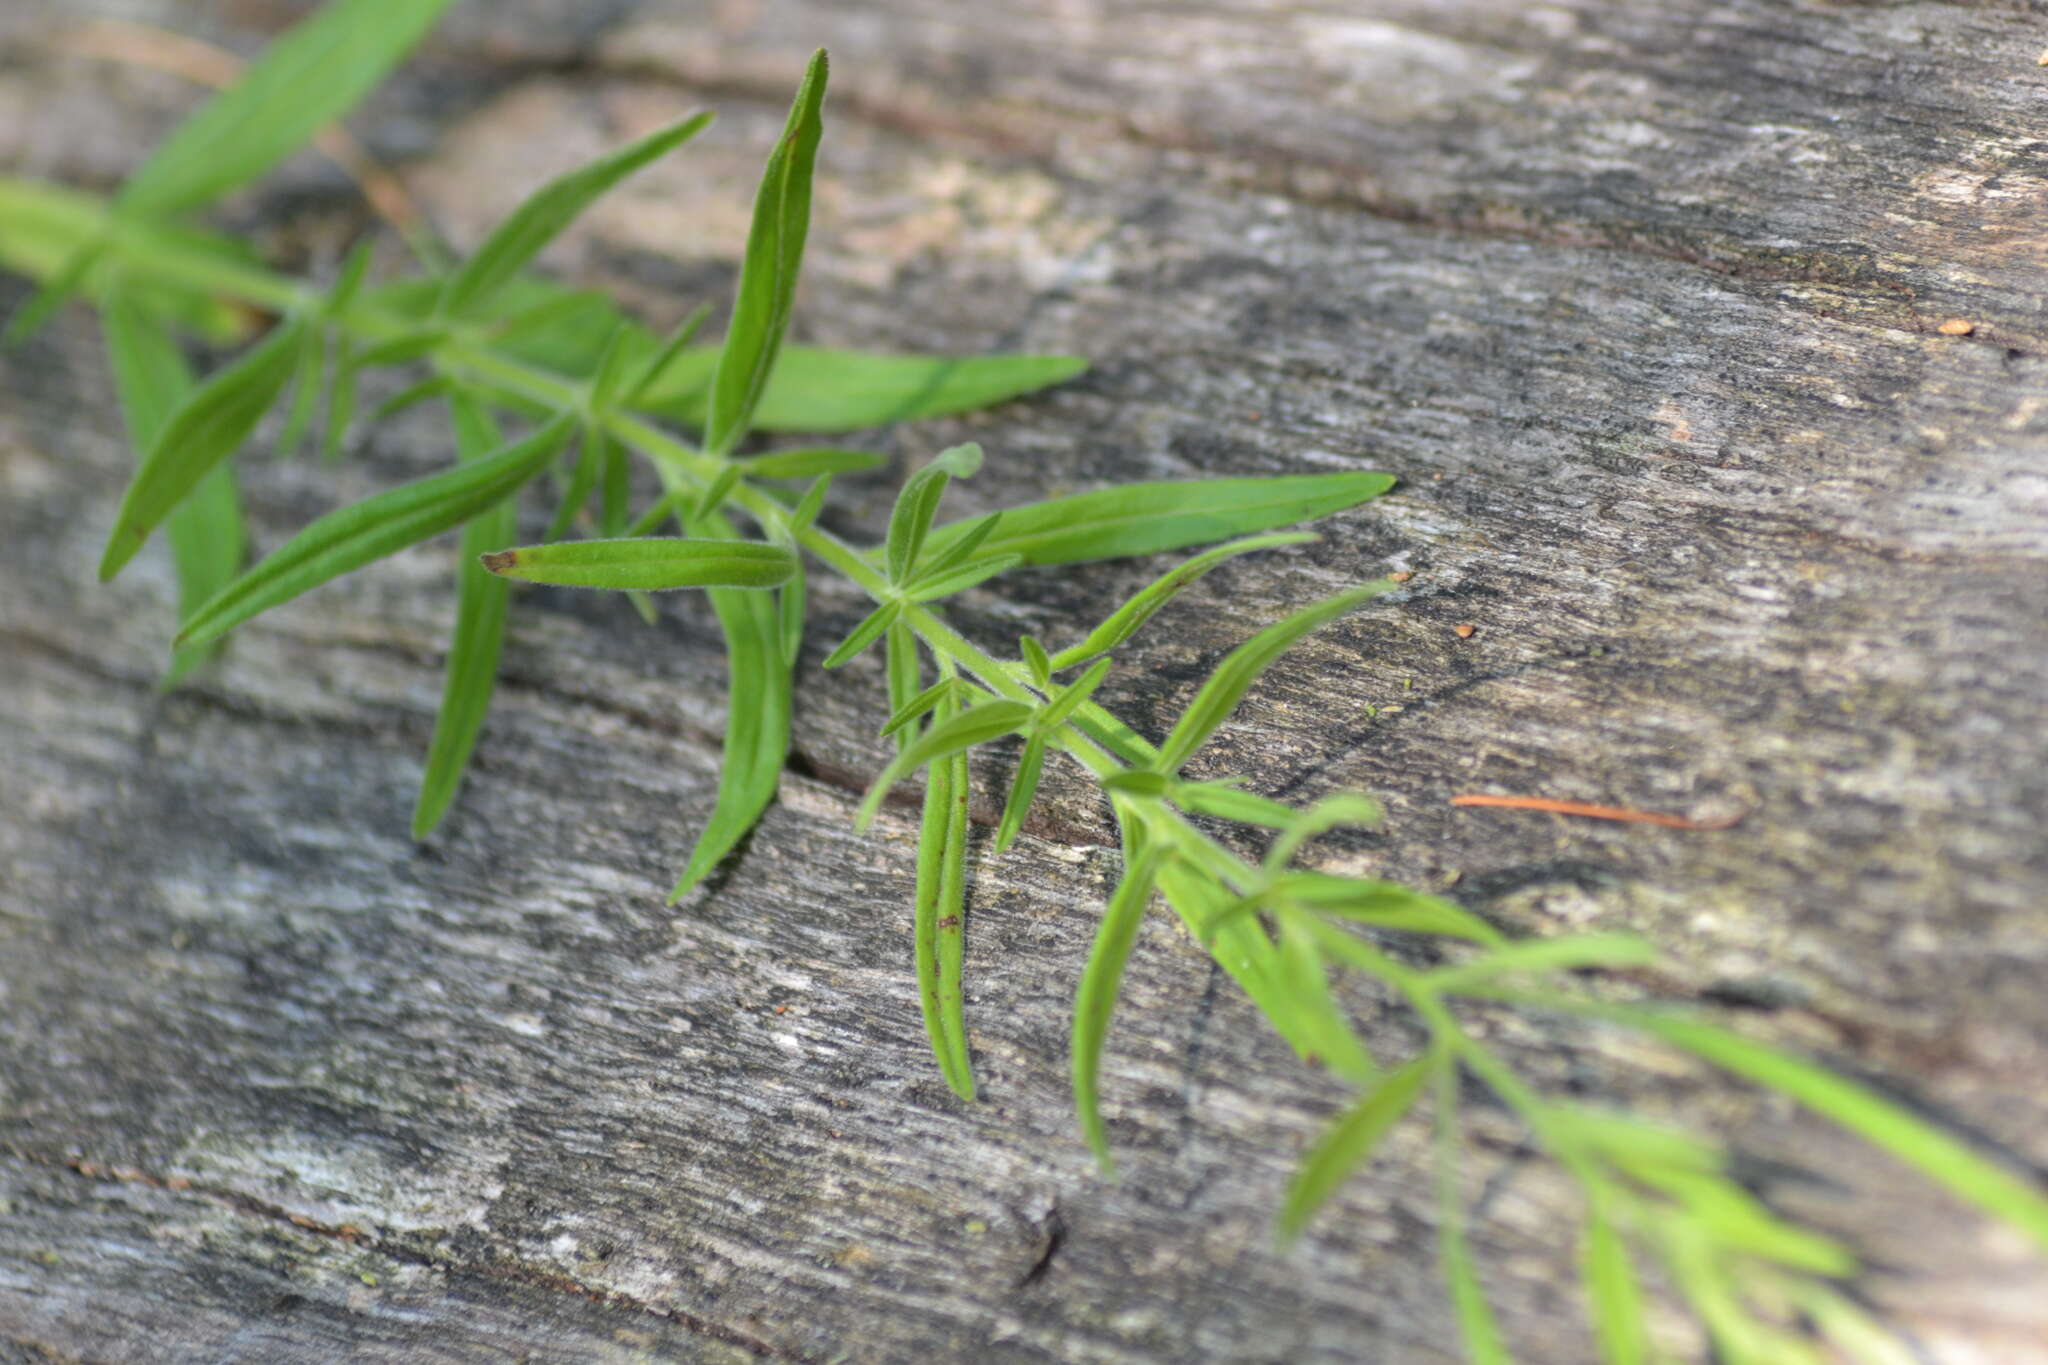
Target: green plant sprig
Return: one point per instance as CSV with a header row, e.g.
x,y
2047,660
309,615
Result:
x,y
497,342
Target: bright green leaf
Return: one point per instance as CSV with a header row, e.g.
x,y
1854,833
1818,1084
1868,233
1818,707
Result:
x,y
815,389
648,564
1131,617
864,634
373,528
1101,979
811,461
1023,787
1241,668
976,725
1144,518
768,274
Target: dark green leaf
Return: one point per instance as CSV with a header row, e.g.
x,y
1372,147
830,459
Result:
x,y
482,601
205,531
768,274
1131,617
757,721
1346,1144
866,633
648,564
804,464
1101,979
1241,668
373,528
1144,518
208,427
341,402
976,725
312,75
615,478
547,211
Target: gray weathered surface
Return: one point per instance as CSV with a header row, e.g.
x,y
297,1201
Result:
x,y
1639,300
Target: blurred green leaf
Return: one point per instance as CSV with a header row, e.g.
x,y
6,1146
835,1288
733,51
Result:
x,y
1144,518
1346,1144
768,274
1384,905
806,463
1476,1324
206,428
1332,812
482,602
551,208
316,72
1226,802
206,533
648,564
816,389
1565,953
378,526
1613,1298
310,370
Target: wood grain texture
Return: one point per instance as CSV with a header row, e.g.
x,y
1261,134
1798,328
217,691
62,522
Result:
x,y
1640,301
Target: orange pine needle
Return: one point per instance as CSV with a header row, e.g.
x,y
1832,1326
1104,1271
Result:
x,y
1592,812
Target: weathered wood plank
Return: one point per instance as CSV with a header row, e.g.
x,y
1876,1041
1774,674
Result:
x,y
1640,303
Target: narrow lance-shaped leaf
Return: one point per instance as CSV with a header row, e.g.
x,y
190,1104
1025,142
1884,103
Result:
x,y
341,401
918,503
1145,518
1318,1019
865,633
810,462
955,556
1567,953
312,75
1346,1144
1614,1301
373,528
757,717
648,564
1131,617
1023,787
904,674
1226,802
1942,1158
1332,812
312,368
768,274
412,395
976,725
934,834
817,389
1476,1324
482,602
950,927
549,210
1383,905
1233,677
206,533
1101,979
917,706
670,348
582,479
932,587
208,427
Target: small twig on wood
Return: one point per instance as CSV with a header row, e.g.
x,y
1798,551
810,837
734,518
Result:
x,y
1592,812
